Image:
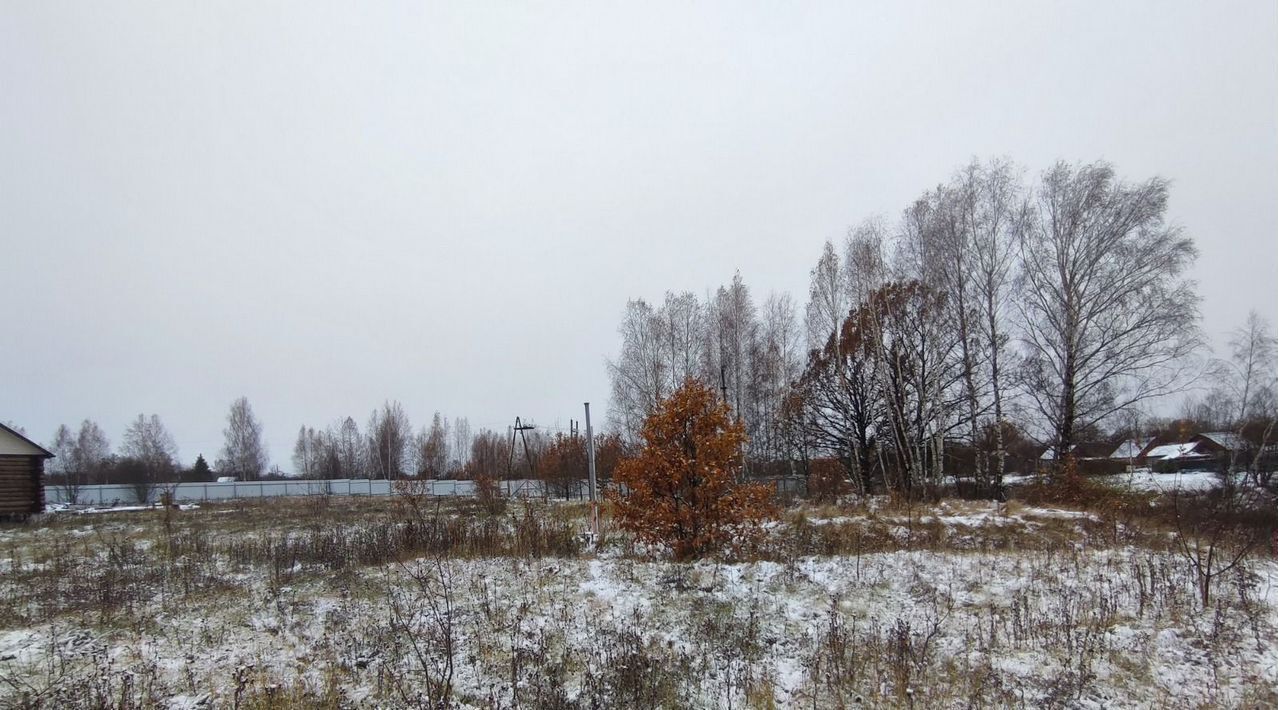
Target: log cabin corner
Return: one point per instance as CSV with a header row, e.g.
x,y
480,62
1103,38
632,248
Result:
x,y
21,475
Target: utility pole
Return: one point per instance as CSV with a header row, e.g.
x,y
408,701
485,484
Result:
x,y
573,433
590,464
519,429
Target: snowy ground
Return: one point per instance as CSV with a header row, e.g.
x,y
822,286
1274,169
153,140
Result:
x,y
93,509
942,606
1145,480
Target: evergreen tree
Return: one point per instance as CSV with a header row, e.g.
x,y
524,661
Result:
x,y
200,471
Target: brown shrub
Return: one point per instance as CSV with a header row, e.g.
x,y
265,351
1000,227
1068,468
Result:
x,y
681,489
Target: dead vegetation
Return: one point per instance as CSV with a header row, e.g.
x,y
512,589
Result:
x,y
417,602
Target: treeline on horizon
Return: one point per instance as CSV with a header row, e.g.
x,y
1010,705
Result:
x,y
994,315
387,448
447,449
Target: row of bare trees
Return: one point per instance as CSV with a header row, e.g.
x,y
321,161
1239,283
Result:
x,y
386,449
79,457
993,305
447,449
1064,302
747,353
148,454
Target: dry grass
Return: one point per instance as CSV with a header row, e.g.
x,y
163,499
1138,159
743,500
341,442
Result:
x,y
318,602
103,566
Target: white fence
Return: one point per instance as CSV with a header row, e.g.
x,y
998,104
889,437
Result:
x,y
124,494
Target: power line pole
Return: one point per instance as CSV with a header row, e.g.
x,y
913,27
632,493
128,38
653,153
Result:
x,y
519,429
573,433
590,464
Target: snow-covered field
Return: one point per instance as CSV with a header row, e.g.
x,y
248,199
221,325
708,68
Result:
x,y
954,605
1145,480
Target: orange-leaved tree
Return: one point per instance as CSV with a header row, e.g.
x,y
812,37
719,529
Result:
x,y
681,489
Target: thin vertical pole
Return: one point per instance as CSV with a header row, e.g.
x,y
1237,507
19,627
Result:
x,y
590,458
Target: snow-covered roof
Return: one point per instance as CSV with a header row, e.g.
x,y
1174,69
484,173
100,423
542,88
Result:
x,y
1130,449
1050,453
1084,450
1226,439
1173,451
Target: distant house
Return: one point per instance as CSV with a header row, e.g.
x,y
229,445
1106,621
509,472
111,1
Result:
x,y
1090,458
1130,449
1220,442
1087,451
1185,452
21,474
1198,450
1049,454
1202,450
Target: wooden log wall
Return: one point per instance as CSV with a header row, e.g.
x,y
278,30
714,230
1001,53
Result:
x,y
21,487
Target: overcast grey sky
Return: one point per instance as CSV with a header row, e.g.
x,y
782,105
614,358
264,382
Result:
x,y
321,206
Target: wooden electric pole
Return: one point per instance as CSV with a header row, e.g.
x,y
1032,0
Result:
x,y
590,466
519,429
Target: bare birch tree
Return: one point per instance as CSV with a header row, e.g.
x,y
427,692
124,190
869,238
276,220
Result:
x,y
307,453
735,320
243,453
775,365
91,451
639,375
864,262
388,436
431,447
148,442
1253,351
864,271
78,457
956,226
350,450
1108,317
682,321
63,464
460,447
970,222
998,211
828,299
1248,391
929,315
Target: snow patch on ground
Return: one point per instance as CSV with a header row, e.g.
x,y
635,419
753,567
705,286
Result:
x,y
1147,481
295,634
1077,623
95,510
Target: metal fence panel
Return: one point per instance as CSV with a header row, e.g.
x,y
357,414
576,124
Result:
x,y
116,494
